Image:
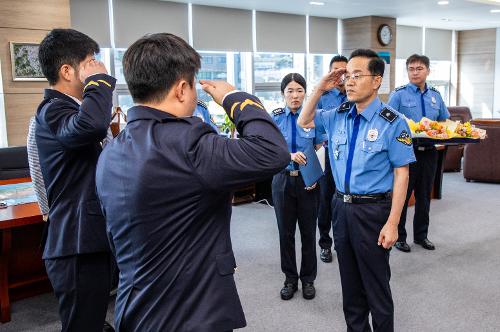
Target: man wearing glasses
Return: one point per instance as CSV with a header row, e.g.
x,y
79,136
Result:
x,y
417,100
370,149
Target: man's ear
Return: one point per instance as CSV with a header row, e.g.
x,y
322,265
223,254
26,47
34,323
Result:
x,y
377,82
66,72
181,90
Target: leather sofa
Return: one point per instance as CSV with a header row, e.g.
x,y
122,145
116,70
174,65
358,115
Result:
x,y
453,160
482,160
14,163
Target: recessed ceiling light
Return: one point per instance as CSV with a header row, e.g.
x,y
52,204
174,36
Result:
x,y
316,3
495,11
442,3
446,19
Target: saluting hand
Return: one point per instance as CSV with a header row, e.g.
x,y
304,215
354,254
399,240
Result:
x,y
388,235
331,80
299,158
92,67
216,89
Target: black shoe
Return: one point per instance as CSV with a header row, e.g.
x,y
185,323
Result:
x,y
308,290
426,244
326,255
288,290
403,246
107,327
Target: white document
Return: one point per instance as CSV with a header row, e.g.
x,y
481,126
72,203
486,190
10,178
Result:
x,y
321,156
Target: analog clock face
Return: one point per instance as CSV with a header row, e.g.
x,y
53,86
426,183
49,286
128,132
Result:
x,y
385,35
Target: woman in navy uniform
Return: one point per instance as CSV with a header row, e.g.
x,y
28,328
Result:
x,y
293,202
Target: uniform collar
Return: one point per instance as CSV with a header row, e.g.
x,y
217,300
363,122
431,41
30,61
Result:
x,y
337,92
416,89
147,113
287,110
54,94
369,112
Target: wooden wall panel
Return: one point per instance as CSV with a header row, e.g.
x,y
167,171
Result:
x,y
476,70
34,14
25,21
19,108
361,32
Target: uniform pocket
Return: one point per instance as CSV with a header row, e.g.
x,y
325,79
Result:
x,y
307,132
408,103
226,263
372,147
93,207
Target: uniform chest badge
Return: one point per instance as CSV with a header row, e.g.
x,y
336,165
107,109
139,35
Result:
x,y
433,99
307,130
372,135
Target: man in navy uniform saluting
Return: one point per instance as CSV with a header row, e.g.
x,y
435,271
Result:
x,y
165,187
71,122
370,149
417,100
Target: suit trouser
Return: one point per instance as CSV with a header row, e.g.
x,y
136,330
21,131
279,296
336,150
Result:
x,y
81,284
327,189
364,266
293,203
421,179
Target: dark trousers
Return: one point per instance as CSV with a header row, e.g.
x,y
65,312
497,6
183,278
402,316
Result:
x,y
327,189
81,284
422,175
364,265
293,203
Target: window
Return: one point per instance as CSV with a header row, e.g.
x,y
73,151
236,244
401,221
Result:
x,y
439,77
272,67
120,78
317,67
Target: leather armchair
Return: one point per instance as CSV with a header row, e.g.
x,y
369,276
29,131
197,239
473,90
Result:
x,y
482,160
14,163
453,160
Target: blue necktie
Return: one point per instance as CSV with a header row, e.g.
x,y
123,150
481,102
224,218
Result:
x,y
294,136
352,145
423,104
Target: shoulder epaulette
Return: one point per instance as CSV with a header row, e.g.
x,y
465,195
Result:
x,y
202,104
278,111
434,89
400,87
344,107
388,114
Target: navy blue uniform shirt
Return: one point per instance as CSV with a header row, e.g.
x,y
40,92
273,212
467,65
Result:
x,y
165,186
68,138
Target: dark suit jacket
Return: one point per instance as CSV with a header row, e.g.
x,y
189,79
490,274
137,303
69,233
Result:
x,y
68,138
165,187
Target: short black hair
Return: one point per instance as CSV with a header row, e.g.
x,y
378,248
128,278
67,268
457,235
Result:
x,y
338,58
418,58
293,77
155,62
64,46
376,65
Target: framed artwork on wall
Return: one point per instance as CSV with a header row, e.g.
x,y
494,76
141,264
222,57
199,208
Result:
x,y
25,64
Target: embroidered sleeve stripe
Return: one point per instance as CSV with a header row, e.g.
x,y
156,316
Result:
x,y
89,84
106,83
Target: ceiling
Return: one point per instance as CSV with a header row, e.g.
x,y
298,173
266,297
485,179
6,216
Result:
x,y
457,15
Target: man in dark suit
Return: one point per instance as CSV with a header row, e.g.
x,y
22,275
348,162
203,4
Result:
x,y
165,187
70,123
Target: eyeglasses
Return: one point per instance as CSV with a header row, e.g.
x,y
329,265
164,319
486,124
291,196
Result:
x,y
417,69
355,77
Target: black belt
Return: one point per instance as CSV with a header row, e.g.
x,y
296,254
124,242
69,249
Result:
x,y
360,199
291,173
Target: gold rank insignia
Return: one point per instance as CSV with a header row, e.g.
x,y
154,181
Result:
x,y
243,105
96,84
404,138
